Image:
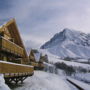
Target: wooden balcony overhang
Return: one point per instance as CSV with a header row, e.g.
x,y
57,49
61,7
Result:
x,y
15,70
10,47
14,73
37,65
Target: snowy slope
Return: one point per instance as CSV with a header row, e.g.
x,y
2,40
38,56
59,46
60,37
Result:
x,y
3,86
69,43
85,77
54,59
81,84
45,81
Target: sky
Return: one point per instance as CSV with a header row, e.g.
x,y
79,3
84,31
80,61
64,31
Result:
x,y
39,20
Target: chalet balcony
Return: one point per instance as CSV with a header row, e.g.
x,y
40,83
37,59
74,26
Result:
x,y
37,65
10,47
12,69
15,72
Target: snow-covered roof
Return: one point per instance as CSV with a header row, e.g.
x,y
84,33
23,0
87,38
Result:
x,y
37,56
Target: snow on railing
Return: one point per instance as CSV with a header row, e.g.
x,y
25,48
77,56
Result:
x,y
1,61
12,69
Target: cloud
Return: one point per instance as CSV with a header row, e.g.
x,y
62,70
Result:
x,y
39,20
33,41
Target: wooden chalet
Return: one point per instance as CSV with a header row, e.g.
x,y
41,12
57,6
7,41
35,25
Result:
x,y
36,59
12,50
11,45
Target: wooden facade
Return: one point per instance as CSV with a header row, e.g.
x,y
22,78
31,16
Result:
x,y
11,45
37,64
14,73
11,69
12,50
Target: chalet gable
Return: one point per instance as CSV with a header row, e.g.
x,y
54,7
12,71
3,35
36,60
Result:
x,y
11,32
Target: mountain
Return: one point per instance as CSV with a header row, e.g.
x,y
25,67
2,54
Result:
x,y
69,43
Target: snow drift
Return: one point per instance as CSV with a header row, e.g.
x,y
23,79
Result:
x,y
45,81
3,86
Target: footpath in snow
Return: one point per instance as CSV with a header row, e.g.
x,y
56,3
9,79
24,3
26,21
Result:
x,y
45,81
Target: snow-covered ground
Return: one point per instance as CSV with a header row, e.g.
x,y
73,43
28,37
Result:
x,y
81,60
82,76
81,84
3,86
45,81
53,59
85,77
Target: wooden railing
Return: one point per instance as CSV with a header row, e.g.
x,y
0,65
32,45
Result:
x,y
36,64
12,69
10,46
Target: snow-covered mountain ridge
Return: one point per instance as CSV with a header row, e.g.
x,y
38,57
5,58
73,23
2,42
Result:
x,y
69,43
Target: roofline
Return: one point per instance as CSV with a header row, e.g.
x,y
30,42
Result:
x,y
14,21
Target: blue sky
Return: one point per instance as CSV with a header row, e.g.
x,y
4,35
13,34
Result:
x,y
39,20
